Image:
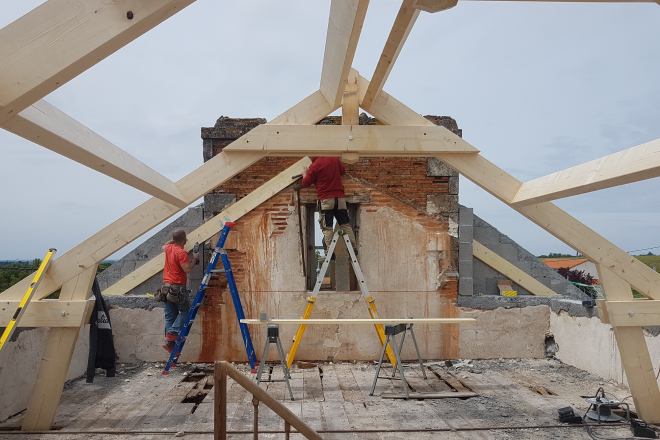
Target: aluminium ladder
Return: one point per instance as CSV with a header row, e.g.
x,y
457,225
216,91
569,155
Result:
x,y
371,303
199,298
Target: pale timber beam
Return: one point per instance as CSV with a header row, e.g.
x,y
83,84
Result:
x,y
434,5
637,313
153,212
51,128
350,110
47,313
509,270
56,359
365,140
212,227
582,1
60,39
403,24
549,217
632,165
344,27
634,351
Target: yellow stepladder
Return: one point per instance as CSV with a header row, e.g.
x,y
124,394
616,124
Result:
x,y
371,306
9,330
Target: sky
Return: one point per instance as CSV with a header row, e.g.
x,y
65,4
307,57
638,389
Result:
x,y
536,87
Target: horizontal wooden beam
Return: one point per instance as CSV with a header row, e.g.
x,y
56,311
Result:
x,y
509,270
149,215
638,313
48,313
60,39
212,227
549,217
344,27
581,1
632,165
51,128
367,140
364,321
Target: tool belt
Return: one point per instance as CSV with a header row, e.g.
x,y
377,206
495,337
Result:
x,y
175,293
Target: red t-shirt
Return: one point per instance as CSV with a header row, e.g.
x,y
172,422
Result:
x,y
175,256
325,173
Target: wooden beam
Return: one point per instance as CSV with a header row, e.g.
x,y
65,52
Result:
x,y
632,165
56,359
49,127
47,313
509,270
434,5
350,105
585,1
363,321
367,140
634,351
60,39
212,227
307,112
403,24
637,313
344,27
549,217
150,214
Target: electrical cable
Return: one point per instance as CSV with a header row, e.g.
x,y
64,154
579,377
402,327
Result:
x,y
647,249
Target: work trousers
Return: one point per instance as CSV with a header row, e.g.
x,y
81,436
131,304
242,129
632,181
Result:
x,y
330,209
175,313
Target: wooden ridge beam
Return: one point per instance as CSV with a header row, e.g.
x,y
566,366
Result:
x,y
632,165
51,128
509,270
152,212
344,27
583,1
403,24
48,313
60,39
366,140
634,313
434,5
212,227
549,217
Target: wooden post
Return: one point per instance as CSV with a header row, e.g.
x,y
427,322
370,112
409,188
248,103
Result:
x,y
220,402
634,352
56,360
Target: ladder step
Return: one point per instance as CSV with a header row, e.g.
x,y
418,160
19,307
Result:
x,y
218,271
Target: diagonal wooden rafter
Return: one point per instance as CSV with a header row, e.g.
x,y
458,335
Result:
x,y
60,39
153,212
403,24
344,27
364,140
212,227
632,165
49,127
549,217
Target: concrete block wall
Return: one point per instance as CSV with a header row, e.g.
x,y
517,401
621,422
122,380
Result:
x,y
152,247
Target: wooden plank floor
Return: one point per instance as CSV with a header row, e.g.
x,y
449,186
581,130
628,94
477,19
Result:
x,y
510,394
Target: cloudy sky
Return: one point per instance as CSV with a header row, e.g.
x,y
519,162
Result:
x,y
537,87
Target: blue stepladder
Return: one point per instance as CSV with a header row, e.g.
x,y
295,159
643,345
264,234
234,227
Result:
x,y
199,297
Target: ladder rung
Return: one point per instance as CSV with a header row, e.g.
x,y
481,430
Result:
x,y
218,271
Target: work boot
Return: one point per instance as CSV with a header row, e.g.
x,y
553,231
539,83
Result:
x,y
169,346
171,337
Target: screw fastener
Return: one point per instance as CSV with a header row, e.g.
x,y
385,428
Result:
x,y
631,314
63,314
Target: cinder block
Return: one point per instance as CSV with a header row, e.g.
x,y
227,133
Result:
x,y
465,234
481,270
453,185
464,251
441,203
485,286
436,168
465,216
506,251
216,202
486,235
465,268
466,286
525,266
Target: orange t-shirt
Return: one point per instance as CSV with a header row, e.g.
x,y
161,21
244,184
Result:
x,y
175,256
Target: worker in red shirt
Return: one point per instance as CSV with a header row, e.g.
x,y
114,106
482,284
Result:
x,y
325,173
175,279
